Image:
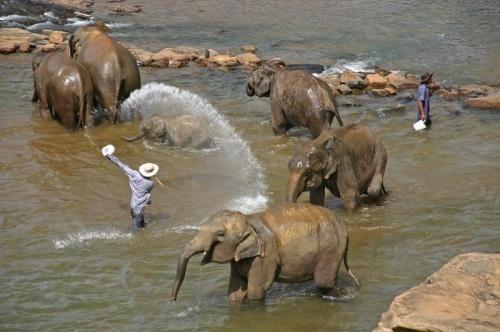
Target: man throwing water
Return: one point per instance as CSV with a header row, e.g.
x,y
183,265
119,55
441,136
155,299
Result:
x,y
141,184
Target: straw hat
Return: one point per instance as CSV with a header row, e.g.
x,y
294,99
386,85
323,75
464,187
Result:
x,y
425,77
148,169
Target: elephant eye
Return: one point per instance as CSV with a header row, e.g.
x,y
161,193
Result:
x,y
220,232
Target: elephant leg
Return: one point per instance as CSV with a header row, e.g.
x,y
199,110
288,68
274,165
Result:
x,y
260,279
278,121
375,185
350,201
326,270
320,124
317,196
89,111
237,291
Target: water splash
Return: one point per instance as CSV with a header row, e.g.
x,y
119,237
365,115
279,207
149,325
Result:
x,y
242,168
358,66
84,237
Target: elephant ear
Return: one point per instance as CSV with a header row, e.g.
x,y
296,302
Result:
x,y
253,243
330,163
276,64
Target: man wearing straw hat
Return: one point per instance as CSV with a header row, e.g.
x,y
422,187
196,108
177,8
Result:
x,y
141,184
424,93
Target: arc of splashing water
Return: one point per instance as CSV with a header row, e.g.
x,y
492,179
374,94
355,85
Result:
x,y
153,97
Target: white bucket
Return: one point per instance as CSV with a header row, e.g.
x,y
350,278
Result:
x,y
108,149
419,125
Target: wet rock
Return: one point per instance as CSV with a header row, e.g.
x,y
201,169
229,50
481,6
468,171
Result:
x,y
400,81
177,63
143,57
249,49
8,47
462,296
170,54
57,37
475,90
450,95
26,47
50,47
388,91
123,10
224,60
210,53
487,102
358,83
248,59
71,5
201,61
375,81
381,71
344,89
332,80
348,75
19,36
193,51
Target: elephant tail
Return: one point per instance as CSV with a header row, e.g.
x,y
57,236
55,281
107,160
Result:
x,y
384,190
81,105
347,265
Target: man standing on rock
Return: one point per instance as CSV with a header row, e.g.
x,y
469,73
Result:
x,y
424,93
141,184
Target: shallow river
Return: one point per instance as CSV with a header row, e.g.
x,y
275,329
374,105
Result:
x,y
69,260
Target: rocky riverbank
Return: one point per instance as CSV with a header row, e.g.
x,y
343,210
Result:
x,y
377,82
464,295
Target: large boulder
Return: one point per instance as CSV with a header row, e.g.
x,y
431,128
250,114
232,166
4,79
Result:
x,y
143,57
224,60
400,80
57,37
475,90
348,75
18,36
8,47
248,59
464,295
170,54
487,102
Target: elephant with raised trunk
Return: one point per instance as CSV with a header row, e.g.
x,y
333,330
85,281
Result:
x,y
63,89
183,131
112,67
290,243
349,162
297,98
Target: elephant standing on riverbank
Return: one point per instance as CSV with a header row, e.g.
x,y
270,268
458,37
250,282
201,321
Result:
x,y
349,162
290,243
297,98
63,89
112,67
177,130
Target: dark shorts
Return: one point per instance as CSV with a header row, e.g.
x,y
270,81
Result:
x,y
138,218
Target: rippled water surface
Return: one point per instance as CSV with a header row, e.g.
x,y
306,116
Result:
x,y
69,260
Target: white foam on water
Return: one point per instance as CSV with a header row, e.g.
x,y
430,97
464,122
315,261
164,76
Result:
x,y
85,237
76,22
183,229
169,100
358,66
118,25
15,18
39,26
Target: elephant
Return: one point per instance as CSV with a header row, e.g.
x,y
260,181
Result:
x,y
112,67
297,98
349,162
177,130
63,89
289,243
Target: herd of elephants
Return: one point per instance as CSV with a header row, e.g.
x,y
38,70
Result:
x,y
293,242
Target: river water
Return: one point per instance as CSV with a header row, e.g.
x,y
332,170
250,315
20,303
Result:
x,y
69,260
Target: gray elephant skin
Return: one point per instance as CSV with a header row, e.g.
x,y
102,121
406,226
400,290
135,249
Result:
x,y
63,89
290,243
112,67
184,131
297,98
349,162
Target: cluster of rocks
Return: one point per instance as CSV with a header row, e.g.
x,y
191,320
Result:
x,y
16,39
464,295
183,55
380,82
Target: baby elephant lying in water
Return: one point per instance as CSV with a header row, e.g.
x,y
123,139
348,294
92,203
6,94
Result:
x,y
184,131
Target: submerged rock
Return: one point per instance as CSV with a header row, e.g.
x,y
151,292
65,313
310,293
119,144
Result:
x,y
487,102
464,295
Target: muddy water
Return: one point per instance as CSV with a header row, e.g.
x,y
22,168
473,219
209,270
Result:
x,y
69,260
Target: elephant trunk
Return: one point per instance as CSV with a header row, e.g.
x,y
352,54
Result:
x,y
250,90
135,138
295,186
192,248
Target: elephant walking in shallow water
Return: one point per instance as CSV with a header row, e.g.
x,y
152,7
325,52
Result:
x,y
112,67
290,243
349,162
63,89
297,98
176,130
